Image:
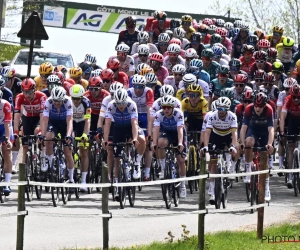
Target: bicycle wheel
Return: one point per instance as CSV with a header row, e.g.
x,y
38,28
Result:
x,y
224,193
175,193
122,190
131,191
90,172
248,191
191,167
63,178
167,188
54,179
218,190
296,175
37,177
237,169
28,188
98,170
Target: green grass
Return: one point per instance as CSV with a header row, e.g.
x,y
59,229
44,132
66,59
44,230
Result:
x,y
8,51
231,240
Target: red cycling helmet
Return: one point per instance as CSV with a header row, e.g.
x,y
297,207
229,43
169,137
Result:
x,y
269,78
272,53
260,55
259,74
260,99
157,57
248,95
27,84
295,90
222,31
113,63
176,41
263,43
107,74
60,75
207,21
95,82
240,78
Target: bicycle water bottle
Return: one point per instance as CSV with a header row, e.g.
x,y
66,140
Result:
x,y
127,171
62,166
173,171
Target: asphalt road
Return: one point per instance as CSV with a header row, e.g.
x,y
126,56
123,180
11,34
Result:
x,y
77,224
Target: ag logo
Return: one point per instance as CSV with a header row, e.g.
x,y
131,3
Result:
x,y
93,20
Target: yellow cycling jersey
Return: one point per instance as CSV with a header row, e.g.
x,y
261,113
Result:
x,y
199,111
270,39
180,94
84,83
189,32
39,85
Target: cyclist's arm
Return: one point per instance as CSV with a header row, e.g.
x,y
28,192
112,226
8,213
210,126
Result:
x,y
207,136
155,134
234,137
87,123
106,129
17,118
180,135
44,123
69,125
271,135
243,133
100,122
134,125
7,126
282,120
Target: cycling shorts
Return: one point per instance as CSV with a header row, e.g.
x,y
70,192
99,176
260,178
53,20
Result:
x,y
172,137
143,122
29,125
58,128
193,123
78,128
94,122
260,137
2,133
219,141
293,128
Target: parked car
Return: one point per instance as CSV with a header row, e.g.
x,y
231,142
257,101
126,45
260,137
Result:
x,y
20,61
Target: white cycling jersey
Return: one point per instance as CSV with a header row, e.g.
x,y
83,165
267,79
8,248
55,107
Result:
x,y
226,57
143,101
152,48
237,96
184,42
281,97
205,119
170,80
126,66
138,61
156,106
204,86
104,105
169,65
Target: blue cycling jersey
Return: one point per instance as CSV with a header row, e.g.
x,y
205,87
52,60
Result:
x,y
204,76
169,124
54,115
7,95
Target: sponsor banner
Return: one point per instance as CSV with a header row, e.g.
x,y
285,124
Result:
x,y
53,16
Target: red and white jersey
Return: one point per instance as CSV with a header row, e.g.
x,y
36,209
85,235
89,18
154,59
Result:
x,y
290,107
126,66
152,48
123,78
31,108
138,61
96,103
169,65
5,112
143,101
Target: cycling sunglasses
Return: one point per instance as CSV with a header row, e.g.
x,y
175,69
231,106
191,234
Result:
x,y
106,80
163,44
121,54
259,105
178,74
296,98
205,58
223,75
247,101
260,61
114,70
136,86
268,83
239,85
28,92
76,98
259,80
172,54
56,100
143,55
234,69
195,43
94,88
221,109
194,95
166,107
248,53
121,103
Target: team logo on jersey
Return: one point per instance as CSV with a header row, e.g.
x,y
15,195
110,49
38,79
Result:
x,y
109,109
180,117
133,109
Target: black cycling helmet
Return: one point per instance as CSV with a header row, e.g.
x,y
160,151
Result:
x,y
235,63
215,38
130,21
196,37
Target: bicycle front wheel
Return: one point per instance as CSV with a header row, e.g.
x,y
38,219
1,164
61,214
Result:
x,y
167,188
131,191
122,190
192,157
29,172
54,178
296,175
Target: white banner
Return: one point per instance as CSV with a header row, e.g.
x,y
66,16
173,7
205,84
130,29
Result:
x,y
53,16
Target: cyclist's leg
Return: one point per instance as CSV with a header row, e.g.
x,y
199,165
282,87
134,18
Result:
x,y
162,142
6,153
15,151
292,130
110,152
51,132
251,138
140,152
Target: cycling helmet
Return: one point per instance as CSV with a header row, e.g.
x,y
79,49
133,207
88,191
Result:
x,y
163,38
186,18
168,100
218,51
2,81
227,92
240,78
8,72
151,78
260,99
247,48
143,49
222,32
248,95
53,79
77,90
207,53
278,29
61,68
95,82
170,33
220,22
214,105
27,84
155,13
166,90
278,66
235,32
173,48
161,15
195,88
142,66
75,72
115,86
260,55
46,68
228,25
113,63
252,40
196,37
189,79
107,74
86,67
244,27
157,57
289,82
121,96
143,37
235,63
237,23
190,53
213,20
223,69
175,41
259,74
259,33
145,71
207,21
90,58
196,63
223,102
212,28
215,38
60,75
122,47
138,80
58,93
179,33
96,72
263,43
179,68
130,21
272,53
269,78
288,42
203,28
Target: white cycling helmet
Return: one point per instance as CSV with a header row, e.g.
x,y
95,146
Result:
x,y
143,36
214,105
179,68
121,96
58,93
115,86
179,33
166,90
238,23
138,79
122,47
53,79
168,100
228,26
173,48
191,53
77,90
90,58
163,38
289,82
151,78
7,71
96,72
223,102
143,49
189,78
141,66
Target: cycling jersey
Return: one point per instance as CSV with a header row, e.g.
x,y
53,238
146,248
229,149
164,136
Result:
x,y
204,86
162,73
205,119
138,61
149,22
67,85
143,101
129,39
224,126
281,97
290,107
156,106
104,105
237,44
233,105
84,108
206,38
295,58
272,94
239,112
46,92
198,111
7,95
169,65
284,55
5,112
84,83
189,32
215,87
55,116
15,87
228,44
169,124
39,85
237,96
123,78
96,102
156,91
170,80
181,94
31,108
126,66
246,66
212,70
156,31
267,69
270,39
152,48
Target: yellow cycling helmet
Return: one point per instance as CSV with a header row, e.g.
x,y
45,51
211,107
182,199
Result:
x,y
77,91
145,71
46,68
288,42
75,72
186,18
278,29
195,88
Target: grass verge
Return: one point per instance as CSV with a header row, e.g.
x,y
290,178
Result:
x,y
232,240
8,51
